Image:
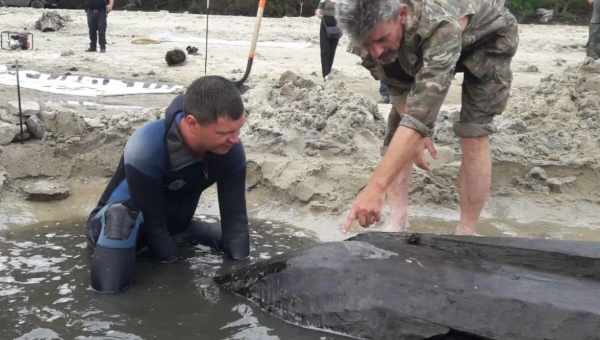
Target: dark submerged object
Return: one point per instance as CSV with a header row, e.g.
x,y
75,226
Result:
x,y
175,57
420,286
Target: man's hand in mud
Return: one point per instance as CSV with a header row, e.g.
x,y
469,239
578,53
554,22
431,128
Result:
x,y
366,208
420,161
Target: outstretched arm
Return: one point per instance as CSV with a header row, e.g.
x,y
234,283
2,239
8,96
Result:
x,y
231,188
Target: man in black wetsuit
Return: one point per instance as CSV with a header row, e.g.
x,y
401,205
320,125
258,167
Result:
x,y
166,164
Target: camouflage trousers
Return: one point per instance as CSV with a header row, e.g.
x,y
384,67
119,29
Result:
x,y
593,48
485,89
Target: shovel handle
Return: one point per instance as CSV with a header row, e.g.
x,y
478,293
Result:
x,y
252,54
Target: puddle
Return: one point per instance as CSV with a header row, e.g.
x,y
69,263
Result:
x,y
45,293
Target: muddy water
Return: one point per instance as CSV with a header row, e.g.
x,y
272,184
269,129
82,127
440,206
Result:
x,y
45,294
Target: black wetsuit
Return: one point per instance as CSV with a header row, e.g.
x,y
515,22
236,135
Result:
x,y
159,177
96,19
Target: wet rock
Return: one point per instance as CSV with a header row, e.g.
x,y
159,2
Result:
x,y
35,127
28,108
561,185
46,190
51,22
8,132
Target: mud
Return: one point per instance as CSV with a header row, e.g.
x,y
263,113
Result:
x,y
311,145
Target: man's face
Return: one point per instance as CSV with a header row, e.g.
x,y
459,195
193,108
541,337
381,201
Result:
x,y
218,137
383,42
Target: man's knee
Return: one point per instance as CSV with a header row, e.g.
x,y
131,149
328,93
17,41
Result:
x,y
113,259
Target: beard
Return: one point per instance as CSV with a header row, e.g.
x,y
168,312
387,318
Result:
x,y
387,57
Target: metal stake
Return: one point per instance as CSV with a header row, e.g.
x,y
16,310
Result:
x,y
206,42
19,99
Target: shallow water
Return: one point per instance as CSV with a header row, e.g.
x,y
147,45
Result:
x,y
45,293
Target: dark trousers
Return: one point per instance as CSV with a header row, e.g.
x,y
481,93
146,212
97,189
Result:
x,y
96,19
328,44
593,47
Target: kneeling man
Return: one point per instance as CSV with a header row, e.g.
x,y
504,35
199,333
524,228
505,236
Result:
x,y
165,167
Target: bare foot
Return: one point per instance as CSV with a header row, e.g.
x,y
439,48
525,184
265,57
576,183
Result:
x,y
395,228
465,231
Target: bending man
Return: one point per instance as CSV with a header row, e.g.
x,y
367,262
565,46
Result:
x,y
416,47
165,167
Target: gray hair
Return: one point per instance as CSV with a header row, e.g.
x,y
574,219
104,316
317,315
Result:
x,y
359,17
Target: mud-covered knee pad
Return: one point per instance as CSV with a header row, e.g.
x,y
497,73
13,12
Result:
x,y
113,260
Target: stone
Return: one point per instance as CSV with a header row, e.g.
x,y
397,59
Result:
x,y
544,15
175,57
304,192
21,137
532,69
28,107
2,178
8,132
560,185
67,53
94,123
46,190
404,286
36,127
50,22
537,173
7,117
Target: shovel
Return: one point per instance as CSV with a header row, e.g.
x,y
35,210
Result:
x,y
259,14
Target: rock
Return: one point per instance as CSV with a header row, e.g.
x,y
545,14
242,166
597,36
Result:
x,y
22,137
46,190
66,124
8,132
175,57
304,192
67,53
7,117
560,185
35,127
538,173
94,123
2,178
253,174
418,286
28,108
50,22
532,69
544,15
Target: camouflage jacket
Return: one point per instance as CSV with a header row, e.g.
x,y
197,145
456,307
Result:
x,y
432,45
327,7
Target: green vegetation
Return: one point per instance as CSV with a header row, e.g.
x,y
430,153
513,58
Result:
x,y
565,10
